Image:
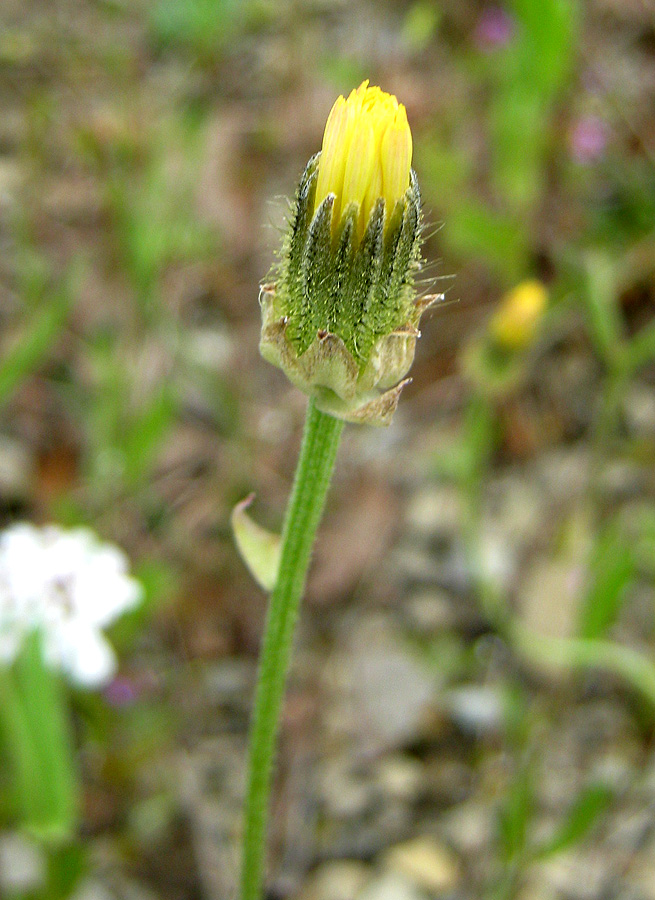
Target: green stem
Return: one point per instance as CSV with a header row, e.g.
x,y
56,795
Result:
x,y
313,474
34,718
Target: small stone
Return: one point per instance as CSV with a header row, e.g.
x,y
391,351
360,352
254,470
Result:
x,y
10,179
390,886
642,871
576,874
16,469
497,559
470,827
339,880
92,889
639,410
548,600
428,864
537,889
476,710
447,779
516,509
211,348
400,777
228,679
435,512
391,690
415,563
429,611
346,794
22,865
563,473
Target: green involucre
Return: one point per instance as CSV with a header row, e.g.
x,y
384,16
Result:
x,y
341,317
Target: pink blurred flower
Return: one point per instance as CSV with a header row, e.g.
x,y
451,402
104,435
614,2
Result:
x,y
588,139
494,29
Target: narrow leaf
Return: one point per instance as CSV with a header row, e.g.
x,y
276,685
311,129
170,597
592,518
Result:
x,y
258,547
612,565
515,814
44,701
586,809
600,296
38,336
641,349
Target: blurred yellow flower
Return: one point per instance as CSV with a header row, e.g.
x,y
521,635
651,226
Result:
x,y
514,324
366,154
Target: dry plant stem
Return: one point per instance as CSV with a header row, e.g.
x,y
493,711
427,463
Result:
x,y
313,474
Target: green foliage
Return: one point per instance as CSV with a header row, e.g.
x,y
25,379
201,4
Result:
x,y
477,231
47,306
612,569
151,196
34,720
201,27
582,815
420,25
530,74
641,349
524,80
66,867
601,302
126,425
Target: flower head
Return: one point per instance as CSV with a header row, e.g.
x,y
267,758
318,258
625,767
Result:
x,y
341,317
68,586
515,322
366,154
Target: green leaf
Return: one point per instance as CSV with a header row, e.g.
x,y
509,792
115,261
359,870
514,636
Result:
x,y
39,334
586,809
146,434
475,230
641,349
54,777
530,73
20,751
66,867
420,25
515,814
259,548
601,300
546,44
612,566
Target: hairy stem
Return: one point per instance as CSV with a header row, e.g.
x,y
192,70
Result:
x,y
313,474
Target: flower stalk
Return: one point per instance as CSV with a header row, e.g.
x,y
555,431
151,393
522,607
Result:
x,y
313,474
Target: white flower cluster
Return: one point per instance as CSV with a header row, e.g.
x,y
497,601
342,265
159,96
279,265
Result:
x,y
68,586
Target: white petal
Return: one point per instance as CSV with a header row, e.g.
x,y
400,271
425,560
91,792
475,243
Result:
x,y
82,653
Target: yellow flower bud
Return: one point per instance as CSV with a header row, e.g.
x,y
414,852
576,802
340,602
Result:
x,y
515,322
340,314
366,154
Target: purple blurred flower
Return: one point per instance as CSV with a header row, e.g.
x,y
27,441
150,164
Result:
x,y
495,28
588,139
122,691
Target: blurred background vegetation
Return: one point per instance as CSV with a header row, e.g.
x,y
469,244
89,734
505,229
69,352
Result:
x,y
472,704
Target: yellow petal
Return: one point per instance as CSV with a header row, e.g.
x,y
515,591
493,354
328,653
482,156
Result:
x,y
374,191
366,153
359,167
332,163
396,157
